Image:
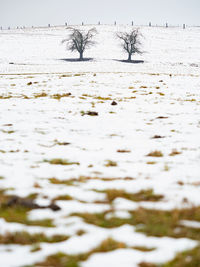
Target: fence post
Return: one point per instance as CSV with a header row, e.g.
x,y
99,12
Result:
x,y
65,23
99,23
132,23
149,24
115,23
82,23
166,25
183,26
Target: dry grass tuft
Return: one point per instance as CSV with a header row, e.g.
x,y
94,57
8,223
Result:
x,y
43,94
174,153
25,238
59,96
58,161
123,151
155,153
111,163
143,195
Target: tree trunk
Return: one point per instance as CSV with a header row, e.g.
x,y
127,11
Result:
x,y
81,56
129,57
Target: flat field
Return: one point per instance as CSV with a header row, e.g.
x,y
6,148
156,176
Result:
x,y
100,160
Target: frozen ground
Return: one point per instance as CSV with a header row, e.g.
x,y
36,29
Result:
x,y
46,133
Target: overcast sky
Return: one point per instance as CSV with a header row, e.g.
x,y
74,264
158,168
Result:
x,y
41,12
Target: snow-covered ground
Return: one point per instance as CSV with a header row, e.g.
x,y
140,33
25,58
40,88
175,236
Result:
x,y
158,97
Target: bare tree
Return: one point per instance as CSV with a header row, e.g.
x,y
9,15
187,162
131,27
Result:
x,y
131,42
80,40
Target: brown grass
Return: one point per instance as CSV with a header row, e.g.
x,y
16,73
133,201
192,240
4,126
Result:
x,y
64,260
174,153
59,96
143,195
25,238
151,222
123,151
155,153
58,161
111,163
18,213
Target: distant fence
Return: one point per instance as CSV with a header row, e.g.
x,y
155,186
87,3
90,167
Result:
x,y
166,25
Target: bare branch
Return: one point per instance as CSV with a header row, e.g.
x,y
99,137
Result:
x,y
130,41
79,40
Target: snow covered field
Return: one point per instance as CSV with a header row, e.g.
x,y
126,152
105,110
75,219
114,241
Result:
x,y
125,179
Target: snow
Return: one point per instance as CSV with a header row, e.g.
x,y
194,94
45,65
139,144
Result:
x,y
167,84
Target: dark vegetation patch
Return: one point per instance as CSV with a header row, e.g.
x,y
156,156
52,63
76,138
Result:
x,y
20,215
35,247
111,194
131,97
143,249
10,151
157,223
64,260
25,238
63,197
174,153
80,232
157,136
24,96
190,258
155,153
89,113
160,93
62,143
84,179
8,124
16,209
123,151
28,203
32,196
38,95
43,94
143,195
65,76
59,96
151,162
111,163
104,98
62,182
7,132
58,161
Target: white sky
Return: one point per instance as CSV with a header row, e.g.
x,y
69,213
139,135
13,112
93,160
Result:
x,y
41,12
